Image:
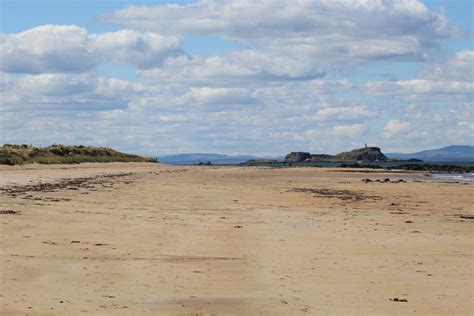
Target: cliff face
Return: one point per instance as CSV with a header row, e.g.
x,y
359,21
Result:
x,y
361,154
297,157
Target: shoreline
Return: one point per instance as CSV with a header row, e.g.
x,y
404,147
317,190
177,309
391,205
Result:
x,y
155,239
104,168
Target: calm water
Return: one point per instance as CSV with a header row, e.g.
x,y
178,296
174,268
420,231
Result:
x,y
389,164
469,177
440,176
454,176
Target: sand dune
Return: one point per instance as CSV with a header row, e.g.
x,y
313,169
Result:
x,y
149,239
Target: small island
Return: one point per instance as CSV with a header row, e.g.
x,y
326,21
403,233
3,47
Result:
x,y
367,157
201,163
356,156
366,154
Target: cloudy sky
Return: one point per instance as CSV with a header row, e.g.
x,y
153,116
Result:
x,y
260,77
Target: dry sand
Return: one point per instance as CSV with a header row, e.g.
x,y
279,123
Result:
x,y
149,239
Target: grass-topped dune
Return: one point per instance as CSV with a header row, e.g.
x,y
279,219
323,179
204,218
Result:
x,y
61,154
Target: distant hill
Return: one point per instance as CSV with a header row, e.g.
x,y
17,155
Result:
x,y
60,154
192,158
360,154
450,153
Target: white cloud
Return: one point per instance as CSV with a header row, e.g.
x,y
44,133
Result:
x,y
419,87
331,86
425,126
154,118
349,131
468,125
348,30
451,80
69,48
344,113
459,68
235,68
141,50
215,97
66,92
50,48
270,96
396,126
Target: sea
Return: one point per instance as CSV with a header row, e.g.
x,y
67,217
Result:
x,y
390,164
448,177
454,177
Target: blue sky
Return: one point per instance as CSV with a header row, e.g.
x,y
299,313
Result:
x,y
162,77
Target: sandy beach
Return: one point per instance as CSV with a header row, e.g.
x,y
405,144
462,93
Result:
x,y
154,239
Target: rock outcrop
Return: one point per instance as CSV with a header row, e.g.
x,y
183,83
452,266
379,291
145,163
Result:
x,y
362,154
297,157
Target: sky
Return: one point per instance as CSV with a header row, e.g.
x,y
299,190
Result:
x,y
261,77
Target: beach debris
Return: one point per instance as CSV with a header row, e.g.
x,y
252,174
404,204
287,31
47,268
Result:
x,y
396,299
408,222
9,212
399,181
334,193
63,184
238,226
49,242
386,180
466,216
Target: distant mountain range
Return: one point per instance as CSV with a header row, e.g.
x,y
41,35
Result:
x,y
450,153
189,159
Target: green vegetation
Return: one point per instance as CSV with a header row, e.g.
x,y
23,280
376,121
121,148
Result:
x,y
260,162
362,154
60,154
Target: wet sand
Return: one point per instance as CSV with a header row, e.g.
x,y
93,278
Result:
x,y
150,239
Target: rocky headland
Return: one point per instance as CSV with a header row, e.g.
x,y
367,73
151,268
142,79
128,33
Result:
x,y
360,154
